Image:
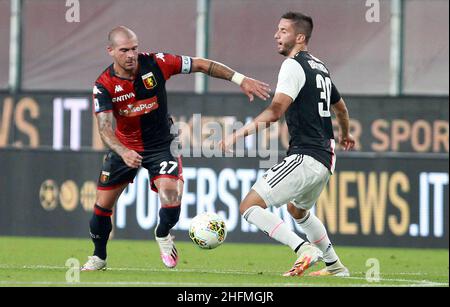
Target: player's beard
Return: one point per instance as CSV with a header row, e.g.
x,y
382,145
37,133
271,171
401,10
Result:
x,y
287,48
129,66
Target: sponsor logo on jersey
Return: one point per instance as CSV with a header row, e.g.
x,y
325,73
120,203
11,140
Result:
x,y
118,89
140,107
96,91
149,80
124,97
160,56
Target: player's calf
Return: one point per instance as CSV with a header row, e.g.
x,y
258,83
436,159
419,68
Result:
x,y
100,228
168,218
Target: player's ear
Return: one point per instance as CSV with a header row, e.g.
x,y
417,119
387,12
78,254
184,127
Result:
x,y
110,50
301,38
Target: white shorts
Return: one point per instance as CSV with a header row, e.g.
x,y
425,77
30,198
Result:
x,y
298,179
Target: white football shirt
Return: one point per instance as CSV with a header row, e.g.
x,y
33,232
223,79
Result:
x,y
291,78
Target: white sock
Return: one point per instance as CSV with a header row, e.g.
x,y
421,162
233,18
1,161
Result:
x,y
317,235
273,226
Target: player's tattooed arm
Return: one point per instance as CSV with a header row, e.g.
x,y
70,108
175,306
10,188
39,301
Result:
x,y
218,70
248,85
130,157
212,68
105,127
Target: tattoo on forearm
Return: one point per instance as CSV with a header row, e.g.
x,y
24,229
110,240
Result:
x,y
212,68
107,133
218,70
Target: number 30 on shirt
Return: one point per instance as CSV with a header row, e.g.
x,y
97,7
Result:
x,y
324,84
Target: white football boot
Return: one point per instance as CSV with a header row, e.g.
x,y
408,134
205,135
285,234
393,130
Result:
x,y
168,252
337,269
94,263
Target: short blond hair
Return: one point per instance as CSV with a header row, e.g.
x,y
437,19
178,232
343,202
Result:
x,y
118,31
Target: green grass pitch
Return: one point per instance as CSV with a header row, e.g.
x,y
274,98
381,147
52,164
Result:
x,y
42,262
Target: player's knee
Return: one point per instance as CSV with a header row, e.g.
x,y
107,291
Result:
x,y
170,198
108,205
107,199
252,199
243,207
295,212
246,205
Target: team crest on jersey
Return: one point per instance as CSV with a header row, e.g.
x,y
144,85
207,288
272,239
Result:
x,y
104,177
149,81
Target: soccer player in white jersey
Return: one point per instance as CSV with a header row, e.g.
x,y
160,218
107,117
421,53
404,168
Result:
x,y
305,94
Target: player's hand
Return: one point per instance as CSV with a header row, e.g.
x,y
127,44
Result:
x,y
132,159
252,87
347,142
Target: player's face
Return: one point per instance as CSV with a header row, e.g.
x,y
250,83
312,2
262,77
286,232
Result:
x,y
125,52
285,37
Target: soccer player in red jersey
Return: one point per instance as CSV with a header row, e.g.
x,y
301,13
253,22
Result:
x,y
132,92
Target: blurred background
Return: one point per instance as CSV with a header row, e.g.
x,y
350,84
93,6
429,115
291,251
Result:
x,y
389,59
59,55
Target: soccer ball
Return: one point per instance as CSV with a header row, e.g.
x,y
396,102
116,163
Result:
x,y
207,230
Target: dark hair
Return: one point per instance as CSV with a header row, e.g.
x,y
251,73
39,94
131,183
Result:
x,y
303,23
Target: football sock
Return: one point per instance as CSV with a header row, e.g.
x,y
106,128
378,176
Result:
x,y
100,227
317,234
168,217
272,226
298,247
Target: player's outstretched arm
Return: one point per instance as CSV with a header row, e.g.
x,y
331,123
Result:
x,y
130,157
272,113
249,86
346,140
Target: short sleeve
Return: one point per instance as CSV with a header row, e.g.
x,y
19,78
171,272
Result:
x,y
291,78
173,64
102,99
335,95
